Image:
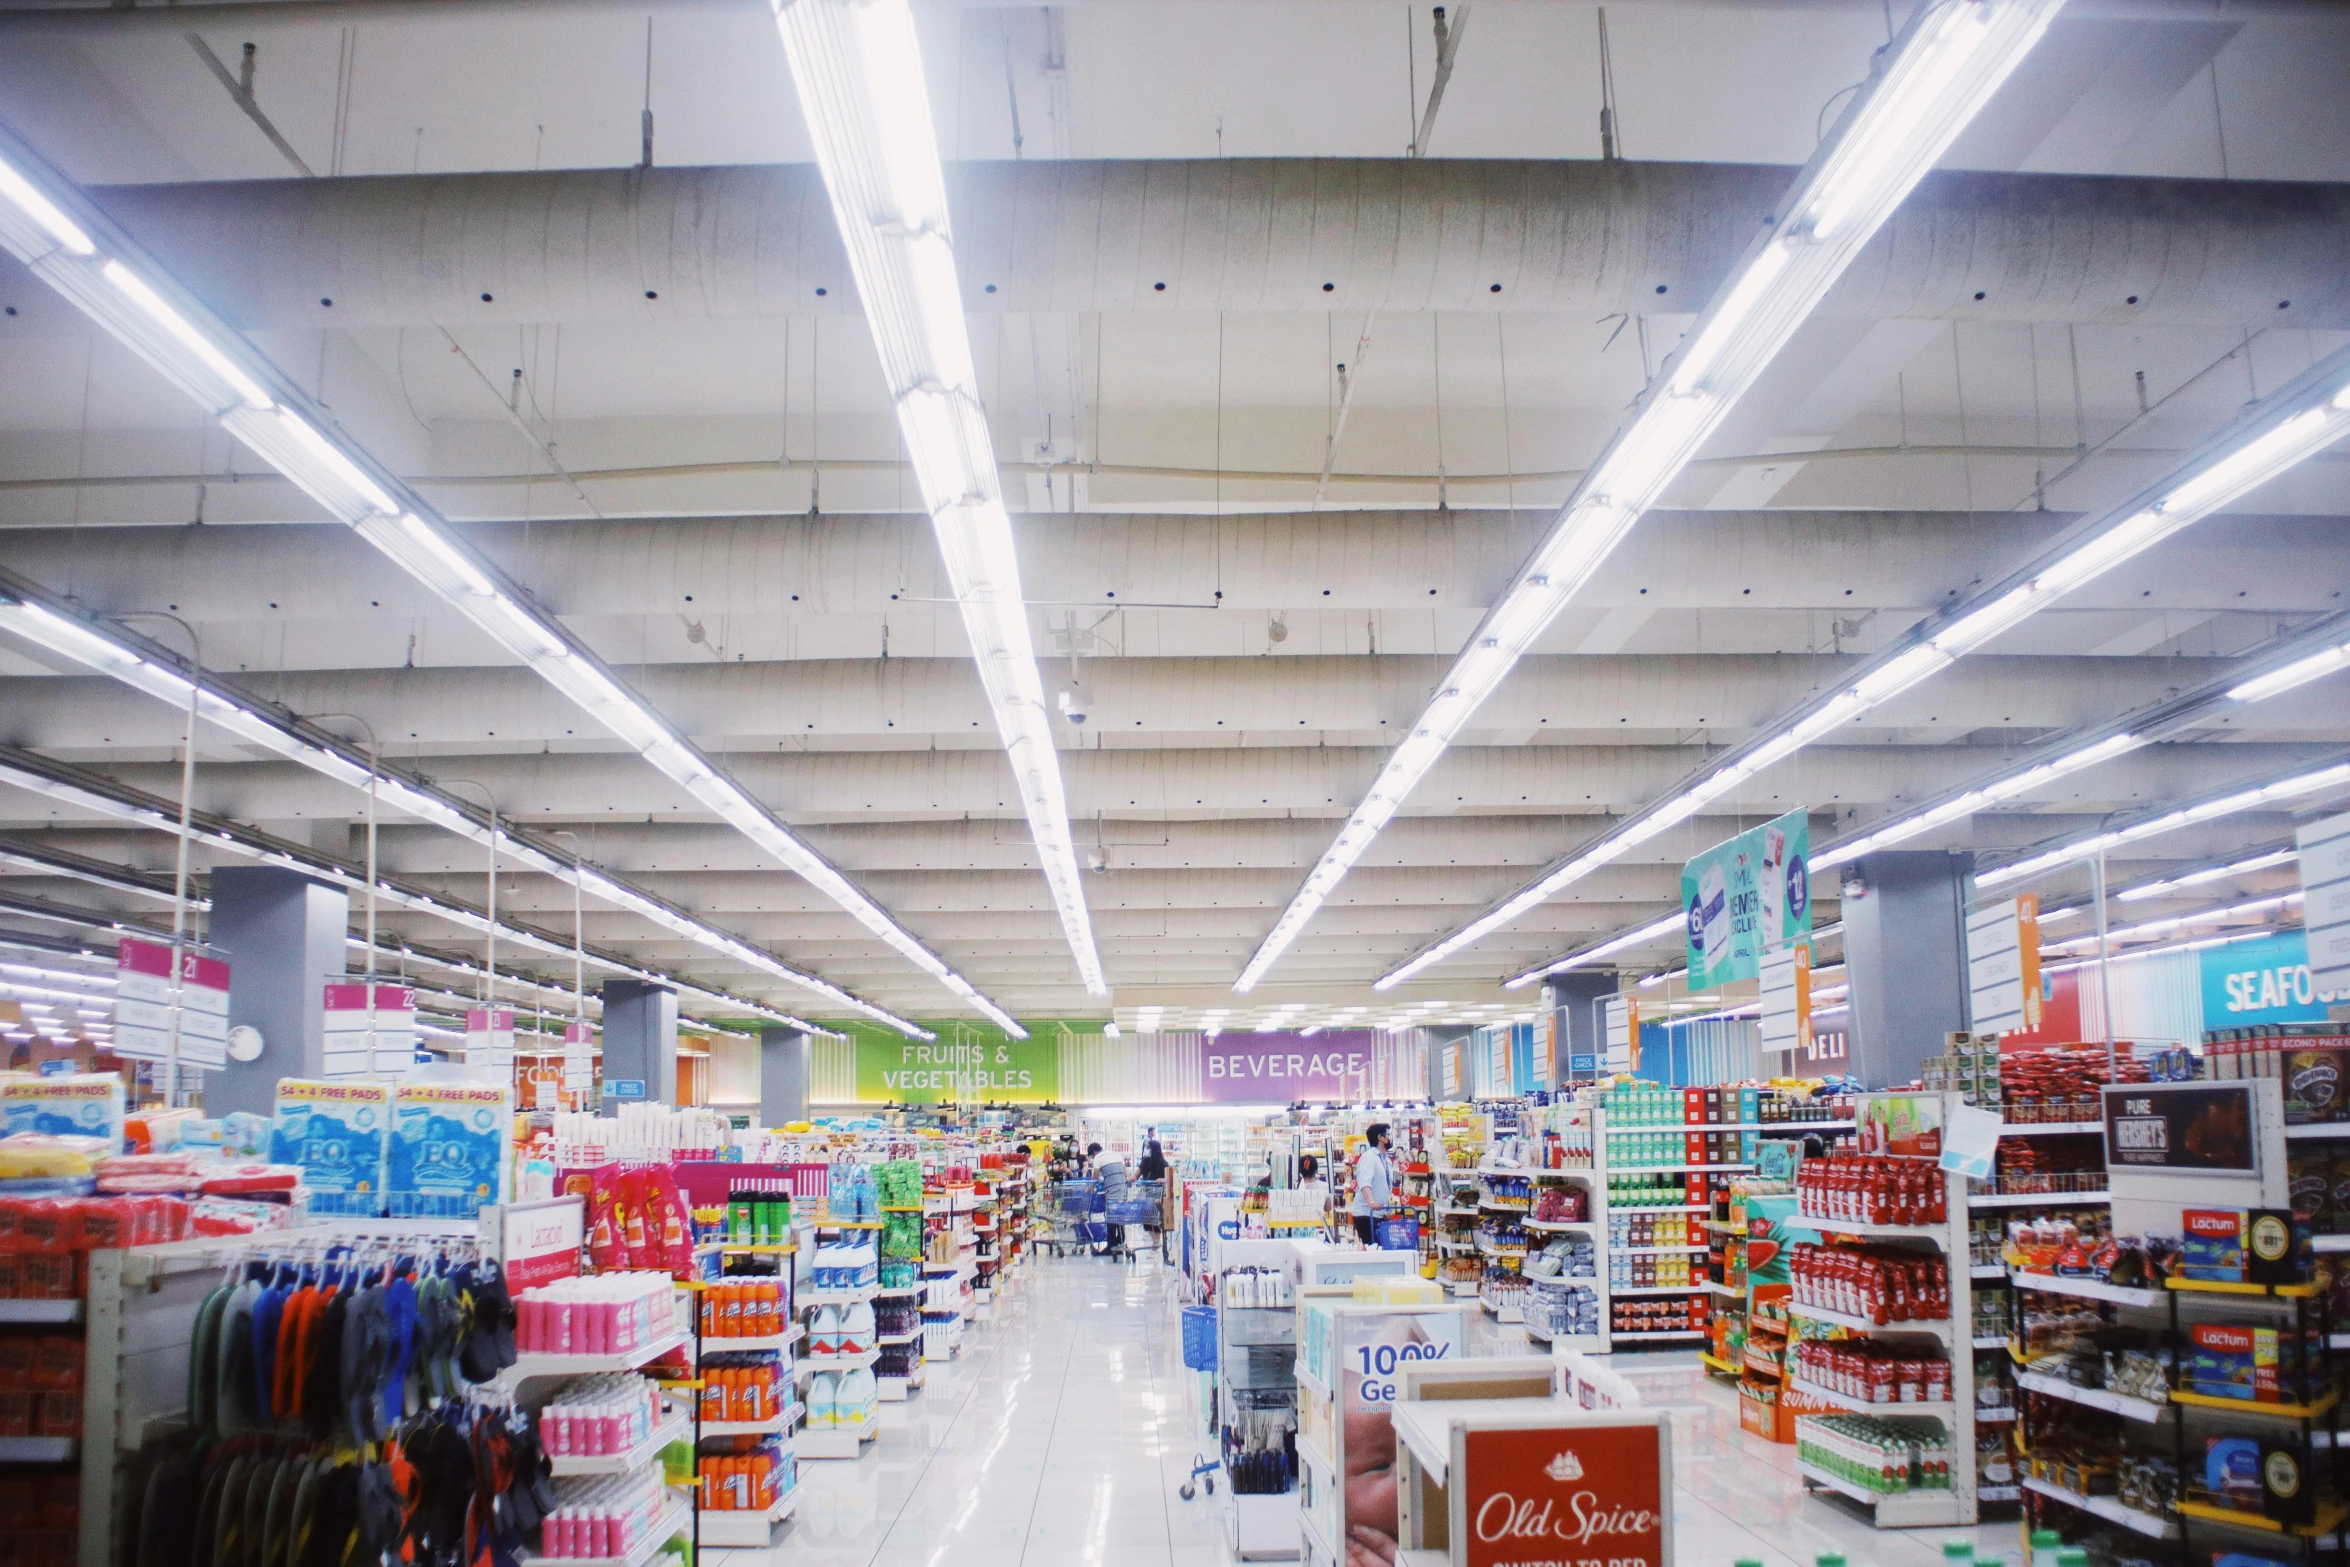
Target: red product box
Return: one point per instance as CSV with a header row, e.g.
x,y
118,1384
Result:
x,y
1693,1148
1692,1106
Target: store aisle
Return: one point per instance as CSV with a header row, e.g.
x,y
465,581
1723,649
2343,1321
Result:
x,y
1059,1437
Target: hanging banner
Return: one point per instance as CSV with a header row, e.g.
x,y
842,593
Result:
x,y
489,1039
1546,1051
968,1063
1331,1067
1745,898
1623,1033
1786,999
142,1004
1450,1056
2003,966
362,1044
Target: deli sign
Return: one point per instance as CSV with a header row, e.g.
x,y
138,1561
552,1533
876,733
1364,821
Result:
x,y
1598,1489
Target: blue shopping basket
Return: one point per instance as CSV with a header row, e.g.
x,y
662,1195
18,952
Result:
x,y
1199,1338
1399,1234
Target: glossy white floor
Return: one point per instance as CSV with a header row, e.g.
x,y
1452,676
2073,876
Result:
x,y
1059,1436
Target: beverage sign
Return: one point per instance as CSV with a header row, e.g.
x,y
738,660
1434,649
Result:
x,y
1746,898
1598,1490
2199,1127
1282,1068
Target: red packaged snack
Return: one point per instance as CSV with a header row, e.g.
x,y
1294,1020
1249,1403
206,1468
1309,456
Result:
x,y
56,1363
104,1223
605,1252
676,1233
629,1218
48,1224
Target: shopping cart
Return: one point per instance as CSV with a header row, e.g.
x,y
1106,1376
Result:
x,y
1072,1226
1139,1209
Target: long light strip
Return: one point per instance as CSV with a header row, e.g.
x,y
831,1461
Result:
x,y
118,286
2242,866
110,651
858,67
2083,748
1929,82
2153,930
2293,786
101,803
2285,429
2202,944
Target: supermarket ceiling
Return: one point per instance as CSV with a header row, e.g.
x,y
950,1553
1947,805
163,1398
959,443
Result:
x,y
1279,412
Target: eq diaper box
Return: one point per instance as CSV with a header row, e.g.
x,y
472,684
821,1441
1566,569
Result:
x,y
73,1104
336,1134
448,1149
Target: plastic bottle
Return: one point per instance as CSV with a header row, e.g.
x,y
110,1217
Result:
x,y
2046,1544
824,1401
1958,1553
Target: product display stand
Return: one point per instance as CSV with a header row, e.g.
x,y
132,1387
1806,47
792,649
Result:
x,y
1256,1397
740,1529
1833,1458
948,1270
839,1441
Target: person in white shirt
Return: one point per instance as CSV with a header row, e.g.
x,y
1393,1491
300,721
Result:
x,y
1311,1184
1374,1191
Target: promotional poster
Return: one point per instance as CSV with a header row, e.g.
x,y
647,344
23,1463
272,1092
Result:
x,y
1747,897
1371,1348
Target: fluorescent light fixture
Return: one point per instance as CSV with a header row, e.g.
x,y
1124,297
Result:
x,y
2150,930
2291,786
27,198
2299,673
857,65
2244,865
128,295
1935,75
136,289
2292,425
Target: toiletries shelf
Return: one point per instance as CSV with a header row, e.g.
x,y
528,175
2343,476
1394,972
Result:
x,y
675,1429
743,1528
529,1366
809,1365
671,1524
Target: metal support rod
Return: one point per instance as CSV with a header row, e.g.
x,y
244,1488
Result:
x,y
374,770
179,877
2104,958
489,960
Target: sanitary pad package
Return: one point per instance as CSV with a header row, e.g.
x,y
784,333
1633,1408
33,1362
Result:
x,y
448,1154
335,1134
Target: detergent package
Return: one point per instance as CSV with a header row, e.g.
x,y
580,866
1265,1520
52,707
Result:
x,y
448,1154
81,1104
335,1133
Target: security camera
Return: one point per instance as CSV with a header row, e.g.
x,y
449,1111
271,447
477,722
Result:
x,y
1070,709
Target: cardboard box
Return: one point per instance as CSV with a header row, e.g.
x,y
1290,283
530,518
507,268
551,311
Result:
x,y
2243,1246
2315,1085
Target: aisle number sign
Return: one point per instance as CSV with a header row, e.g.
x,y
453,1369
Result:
x,y
2003,966
2325,901
1746,898
142,1004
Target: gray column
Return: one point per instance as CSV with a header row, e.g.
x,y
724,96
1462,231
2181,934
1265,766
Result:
x,y
285,939
786,1058
1576,998
640,1040
1905,952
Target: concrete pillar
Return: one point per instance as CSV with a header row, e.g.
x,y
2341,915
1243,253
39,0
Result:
x,y
786,1058
1577,998
285,939
1905,952
640,1041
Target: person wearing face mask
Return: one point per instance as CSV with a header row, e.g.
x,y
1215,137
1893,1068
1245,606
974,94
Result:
x,y
1374,1190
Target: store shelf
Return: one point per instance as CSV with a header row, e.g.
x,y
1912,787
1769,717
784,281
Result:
x,y
2329,1518
2051,1128
2107,1508
675,1429
1924,1232
2307,1291
1655,1289
1895,1509
1589,1224
1939,1328
1654,1251
755,1248
1993,1417
734,1527
671,1523
1642,1207
531,1365
850,1297
2038,1199
52,1311
2317,1130
2246,1406
838,1442
1714,1288
1716,1363
2093,1397
1945,1412
1988,1271
1999,1493
2086,1289
781,1420
1618,1335
747,1344
1678,1169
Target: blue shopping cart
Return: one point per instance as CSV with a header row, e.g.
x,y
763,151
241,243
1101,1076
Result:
x,y
1074,1225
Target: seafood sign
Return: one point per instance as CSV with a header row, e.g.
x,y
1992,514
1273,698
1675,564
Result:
x,y
1585,1495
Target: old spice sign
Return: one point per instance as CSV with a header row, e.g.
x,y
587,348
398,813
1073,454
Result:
x,y
1591,1494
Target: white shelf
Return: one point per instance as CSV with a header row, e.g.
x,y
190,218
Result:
x,y
1993,1417
2317,1129
1999,1493
1923,1232
1653,1251
742,1529
1589,1224
1990,1341
1678,1169
2038,1199
745,1344
809,1365
2094,1397
40,1311
2050,1128
527,1366
849,1297
666,1529
1946,1413
2329,1243
1656,1289
1617,1335
781,1420
887,1339
676,1428
1939,1328
2107,1508
2087,1289
1987,1270
1895,1509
